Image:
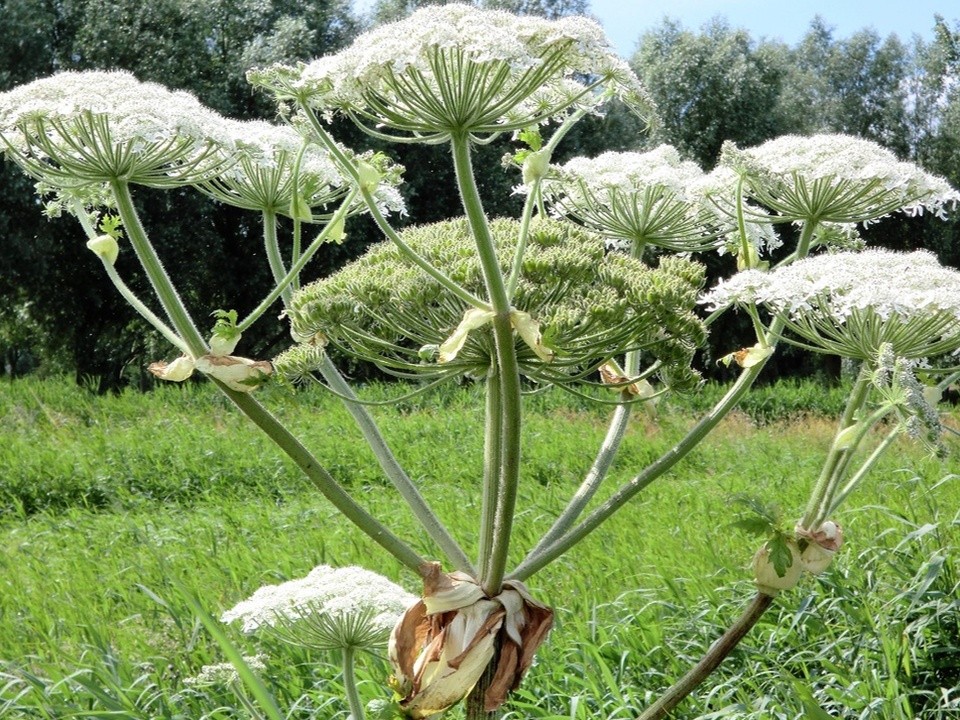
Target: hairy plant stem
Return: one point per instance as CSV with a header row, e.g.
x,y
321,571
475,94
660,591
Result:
x,y
491,466
349,167
277,267
536,561
593,479
185,327
169,299
507,368
282,284
525,218
608,450
394,471
710,661
126,293
145,312
840,450
476,700
350,684
502,436
535,200
323,481
840,495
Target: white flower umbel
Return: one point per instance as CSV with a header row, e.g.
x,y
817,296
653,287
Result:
x,y
224,674
274,170
636,199
277,170
83,128
835,178
458,69
340,597
850,303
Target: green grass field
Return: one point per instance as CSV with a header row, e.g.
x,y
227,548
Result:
x,y
114,510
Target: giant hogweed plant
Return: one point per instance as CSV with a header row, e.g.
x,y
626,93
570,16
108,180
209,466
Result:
x,y
591,287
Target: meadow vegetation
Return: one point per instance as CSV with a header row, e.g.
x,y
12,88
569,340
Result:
x,y
105,537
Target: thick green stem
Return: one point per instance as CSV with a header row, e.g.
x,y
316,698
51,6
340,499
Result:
x,y
710,661
350,684
145,312
292,447
323,481
507,366
283,284
840,495
491,468
409,253
274,259
840,449
169,299
475,704
536,561
295,252
528,207
535,200
125,292
393,470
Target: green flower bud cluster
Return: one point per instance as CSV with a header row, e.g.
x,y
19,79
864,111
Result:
x,y
589,305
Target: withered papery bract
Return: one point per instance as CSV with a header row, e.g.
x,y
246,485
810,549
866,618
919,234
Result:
x,y
444,643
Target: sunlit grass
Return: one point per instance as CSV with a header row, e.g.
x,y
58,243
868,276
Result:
x,y
115,507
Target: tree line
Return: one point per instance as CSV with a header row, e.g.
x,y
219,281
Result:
x,y
59,314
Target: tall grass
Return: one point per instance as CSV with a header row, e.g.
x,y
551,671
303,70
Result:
x,y
118,508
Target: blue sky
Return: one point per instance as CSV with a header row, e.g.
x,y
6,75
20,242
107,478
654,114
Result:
x,y
626,20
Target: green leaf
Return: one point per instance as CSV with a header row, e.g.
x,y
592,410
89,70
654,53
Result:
x,y
380,709
111,225
226,325
752,525
811,708
757,517
531,138
780,554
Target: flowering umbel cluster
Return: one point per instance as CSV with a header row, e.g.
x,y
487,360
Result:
x,y
457,69
77,129
834,178
852,303
275,169
588,306
331,608
637,199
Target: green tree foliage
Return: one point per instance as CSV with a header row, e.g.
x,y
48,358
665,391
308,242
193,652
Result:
x,y
389,10
935,91
711,86
855,85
